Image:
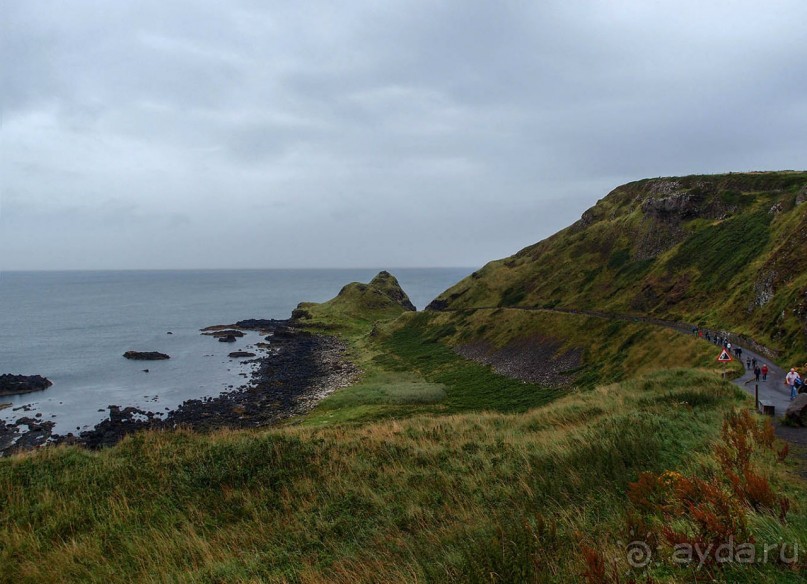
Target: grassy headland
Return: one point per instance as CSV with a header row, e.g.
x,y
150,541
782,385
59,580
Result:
x,y
722,251
439,468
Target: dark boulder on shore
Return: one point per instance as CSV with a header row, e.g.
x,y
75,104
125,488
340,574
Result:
x,y
121,421
796,412
14,384
146,355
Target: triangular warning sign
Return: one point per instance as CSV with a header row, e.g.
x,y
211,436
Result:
x,y
724,356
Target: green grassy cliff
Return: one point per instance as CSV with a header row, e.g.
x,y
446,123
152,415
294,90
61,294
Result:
x,y
484,442
723,251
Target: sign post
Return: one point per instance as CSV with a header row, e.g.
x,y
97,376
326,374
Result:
x,y
724,357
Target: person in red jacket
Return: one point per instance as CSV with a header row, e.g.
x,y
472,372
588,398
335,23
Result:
x,y
764,371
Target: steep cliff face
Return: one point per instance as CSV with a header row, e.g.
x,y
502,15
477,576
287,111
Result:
x,y
725,250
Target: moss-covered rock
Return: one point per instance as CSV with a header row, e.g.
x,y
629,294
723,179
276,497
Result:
x,y
357,304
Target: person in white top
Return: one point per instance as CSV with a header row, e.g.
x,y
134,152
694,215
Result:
x,y
790,381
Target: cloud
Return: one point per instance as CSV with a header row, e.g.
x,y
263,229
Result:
x,y
364,133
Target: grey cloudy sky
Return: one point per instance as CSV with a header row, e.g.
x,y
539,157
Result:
x,y
181,134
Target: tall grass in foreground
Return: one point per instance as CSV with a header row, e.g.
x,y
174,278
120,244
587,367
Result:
x,y
473,497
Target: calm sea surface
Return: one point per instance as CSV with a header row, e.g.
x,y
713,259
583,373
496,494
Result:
x,y
73,328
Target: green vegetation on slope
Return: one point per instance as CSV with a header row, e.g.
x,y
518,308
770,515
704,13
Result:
x,y
411,367
725,251
356,306
610,350
476,497
720,251
410,371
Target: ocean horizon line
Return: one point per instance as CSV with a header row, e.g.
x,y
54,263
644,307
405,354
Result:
x,y
99,270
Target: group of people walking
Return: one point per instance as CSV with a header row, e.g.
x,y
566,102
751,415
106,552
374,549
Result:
x,y
793,380
751,363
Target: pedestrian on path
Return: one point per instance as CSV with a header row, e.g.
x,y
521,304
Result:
x,y
757,371
748,363
754,362
790,381
764,372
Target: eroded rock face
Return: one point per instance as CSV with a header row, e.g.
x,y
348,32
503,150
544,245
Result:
x,y
679,205
14,384
667,206
146,355
764,288
655,238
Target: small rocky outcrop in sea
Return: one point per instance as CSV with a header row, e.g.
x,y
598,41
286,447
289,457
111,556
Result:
x,y
227,339
238,354
146,355
259,323
225,333
14,384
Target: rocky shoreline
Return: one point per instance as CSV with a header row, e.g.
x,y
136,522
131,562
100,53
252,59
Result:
x,y
298,369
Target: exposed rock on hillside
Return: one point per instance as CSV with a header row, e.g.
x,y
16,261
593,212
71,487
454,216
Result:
x,y
535,359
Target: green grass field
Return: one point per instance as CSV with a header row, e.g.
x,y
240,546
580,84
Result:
x,y
471,497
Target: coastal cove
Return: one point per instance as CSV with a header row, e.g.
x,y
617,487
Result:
x,y
73,328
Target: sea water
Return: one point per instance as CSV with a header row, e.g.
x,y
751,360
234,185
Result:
x,y
73,328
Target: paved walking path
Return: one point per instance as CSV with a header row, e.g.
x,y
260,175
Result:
x,y
773,390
